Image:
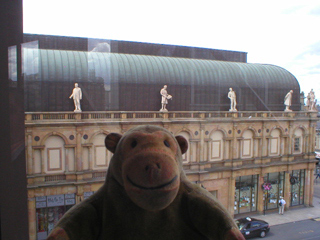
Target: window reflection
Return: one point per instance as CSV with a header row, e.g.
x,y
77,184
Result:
x,y
12,65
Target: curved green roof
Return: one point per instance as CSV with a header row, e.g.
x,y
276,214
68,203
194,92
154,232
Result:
x,y
70,65
207,81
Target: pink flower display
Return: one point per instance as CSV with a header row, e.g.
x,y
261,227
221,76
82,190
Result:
x,y
266,186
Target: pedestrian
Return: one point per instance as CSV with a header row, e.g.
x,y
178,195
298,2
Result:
x,y
318,175
282,203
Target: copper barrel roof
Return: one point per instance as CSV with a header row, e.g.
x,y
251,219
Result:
x,y
72,66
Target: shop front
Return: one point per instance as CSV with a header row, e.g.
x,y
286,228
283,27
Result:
x,y
297,188
273,189
49,210
246,194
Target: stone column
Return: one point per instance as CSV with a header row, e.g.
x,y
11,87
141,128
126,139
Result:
x,y
91,160
308,195
290,129
224,149
287,189
29,153
43,160
79,194
264,141
192,149
305,143
78,159
67,159
232,184
234,143
257,147
260,146
312,137
201,143
32,217
260,201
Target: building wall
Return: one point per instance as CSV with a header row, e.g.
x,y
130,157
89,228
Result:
x,y
66,154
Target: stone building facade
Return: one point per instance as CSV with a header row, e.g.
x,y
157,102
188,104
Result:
x,y
231,154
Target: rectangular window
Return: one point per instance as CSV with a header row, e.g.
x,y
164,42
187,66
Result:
x,y
296,145
54,159
216,150
274,146
246,148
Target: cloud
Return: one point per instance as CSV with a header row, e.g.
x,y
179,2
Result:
x,y
102,47
315,11
292,9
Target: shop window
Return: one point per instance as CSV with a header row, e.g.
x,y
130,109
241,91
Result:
x,y
49,210
246,194
87,195
297,181
275,191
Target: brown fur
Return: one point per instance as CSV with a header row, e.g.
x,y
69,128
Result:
x,y
147,196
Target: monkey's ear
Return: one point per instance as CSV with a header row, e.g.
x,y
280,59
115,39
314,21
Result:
x,y
183,143
111,141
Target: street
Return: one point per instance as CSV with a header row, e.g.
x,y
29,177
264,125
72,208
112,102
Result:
x,y
302,230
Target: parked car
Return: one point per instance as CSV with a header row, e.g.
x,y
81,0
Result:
x,y
252,227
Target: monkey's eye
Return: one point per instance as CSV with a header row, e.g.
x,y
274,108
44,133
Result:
x,y
134,143
166,143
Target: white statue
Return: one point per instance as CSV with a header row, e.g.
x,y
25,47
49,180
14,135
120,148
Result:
x,y
308,101
287,101
311,102
233,100
164,98
77,96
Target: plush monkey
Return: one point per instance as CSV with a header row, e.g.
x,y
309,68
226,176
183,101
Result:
x,y
147,196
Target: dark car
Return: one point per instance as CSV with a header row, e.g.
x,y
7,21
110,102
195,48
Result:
x,y
252,227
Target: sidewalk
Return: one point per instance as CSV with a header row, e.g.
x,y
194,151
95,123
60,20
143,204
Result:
x,y
294,214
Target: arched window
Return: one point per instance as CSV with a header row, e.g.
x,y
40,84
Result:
x,y
54,154
186,156
247,144
297,141
274,143
217,146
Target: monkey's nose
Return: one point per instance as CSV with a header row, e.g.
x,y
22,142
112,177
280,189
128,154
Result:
x,y
153,172
154,166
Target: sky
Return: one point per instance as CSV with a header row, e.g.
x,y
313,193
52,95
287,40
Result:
x,y
285,33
